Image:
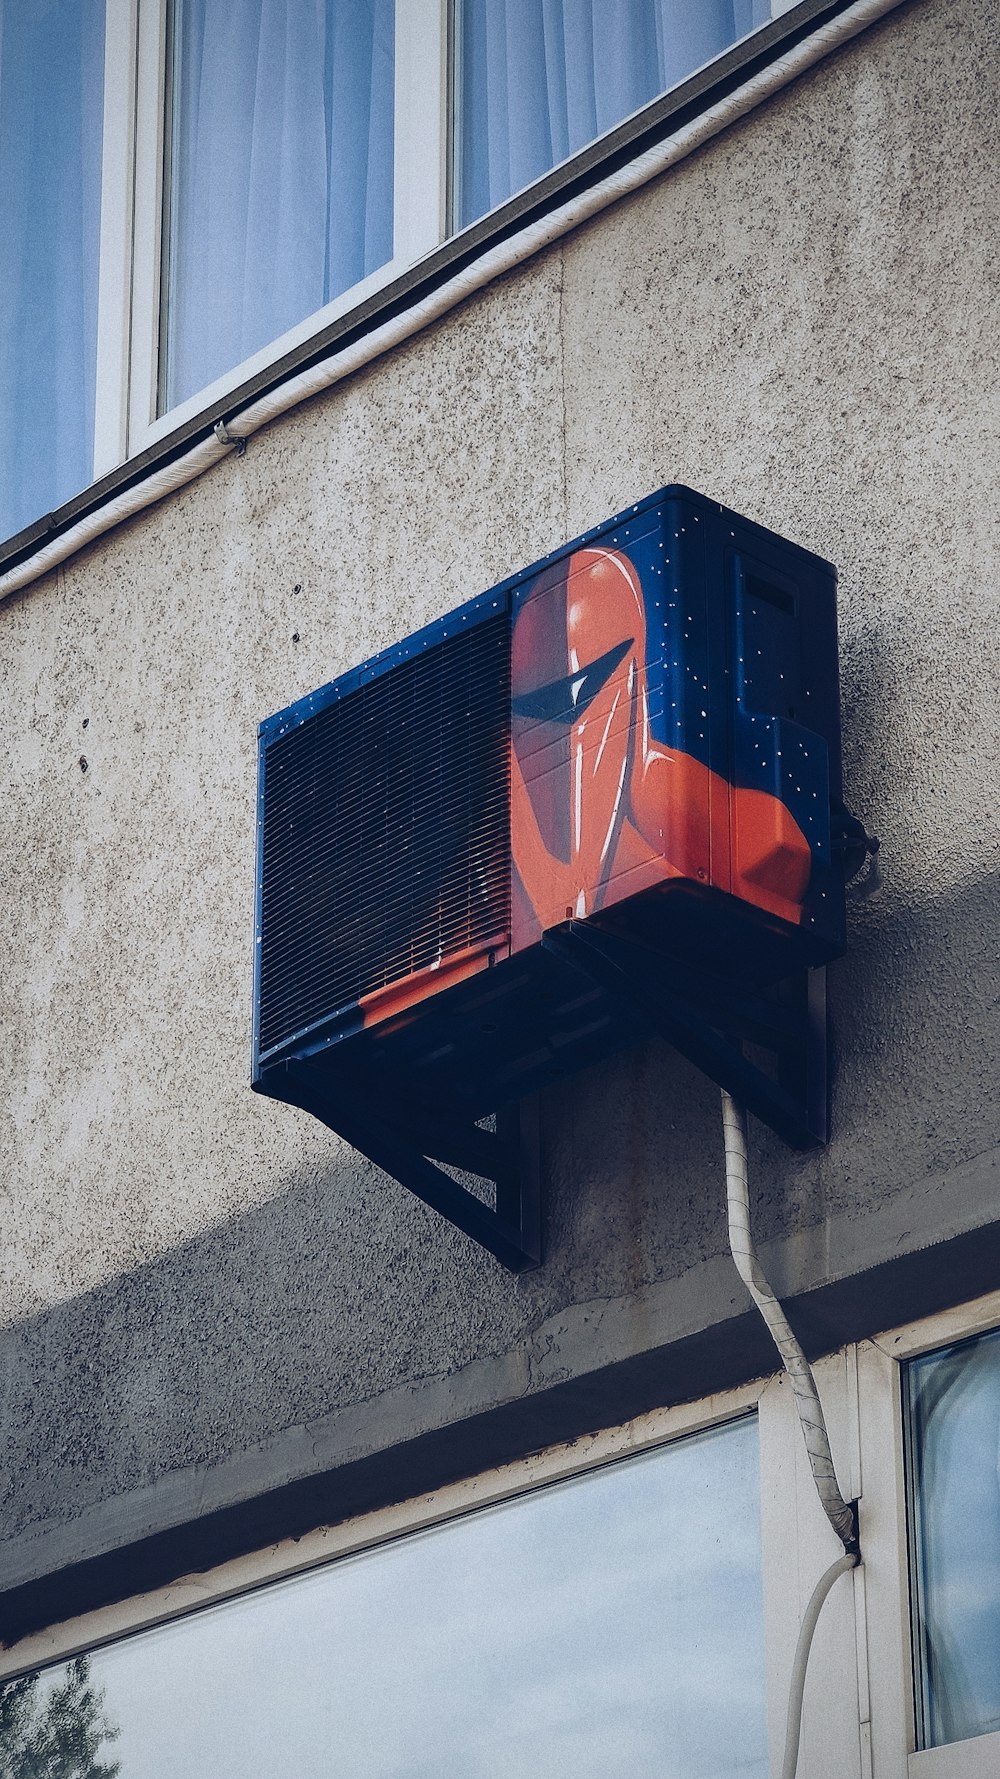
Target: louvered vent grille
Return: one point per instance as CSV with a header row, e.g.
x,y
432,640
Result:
x,y
386,831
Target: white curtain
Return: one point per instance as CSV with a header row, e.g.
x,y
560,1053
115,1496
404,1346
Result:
x,y
954,1415
51,129
540,78
280,171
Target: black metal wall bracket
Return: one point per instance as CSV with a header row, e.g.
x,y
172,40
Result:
x,y
710,1021
411,1143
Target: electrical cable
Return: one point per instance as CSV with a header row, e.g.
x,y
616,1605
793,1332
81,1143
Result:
x,y
230,435
793,1725
807,1405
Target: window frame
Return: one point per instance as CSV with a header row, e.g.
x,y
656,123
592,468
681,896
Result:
x,y
421,112
885,1545
114,298
129,446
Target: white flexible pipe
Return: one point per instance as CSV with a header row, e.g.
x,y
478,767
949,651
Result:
x,y
492,264
793,1726
807,1402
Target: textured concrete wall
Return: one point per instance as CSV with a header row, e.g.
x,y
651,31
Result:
x,y
204,1295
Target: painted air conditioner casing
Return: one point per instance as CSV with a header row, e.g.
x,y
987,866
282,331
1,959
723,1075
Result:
x,y
640,733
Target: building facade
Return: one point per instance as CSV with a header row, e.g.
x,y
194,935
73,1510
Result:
x,y
233,1352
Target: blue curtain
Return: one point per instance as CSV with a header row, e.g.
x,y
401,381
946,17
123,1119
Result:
x,y
540,78
51,129
280,175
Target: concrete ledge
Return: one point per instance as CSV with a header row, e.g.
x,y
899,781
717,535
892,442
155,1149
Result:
x,y
594,1364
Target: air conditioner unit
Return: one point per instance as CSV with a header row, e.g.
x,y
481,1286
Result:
x,y
598,801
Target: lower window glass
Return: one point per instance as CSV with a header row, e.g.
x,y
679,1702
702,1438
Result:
x,y
606,1626
953,1444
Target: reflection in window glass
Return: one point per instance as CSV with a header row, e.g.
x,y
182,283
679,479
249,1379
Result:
x,y
609,1627
51,131
280,178
954,1450
540,78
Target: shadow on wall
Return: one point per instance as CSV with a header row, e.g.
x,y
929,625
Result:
x,y
914,1059
345,1291
340,1288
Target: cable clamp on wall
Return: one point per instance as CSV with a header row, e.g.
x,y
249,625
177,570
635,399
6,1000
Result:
x,y
225,437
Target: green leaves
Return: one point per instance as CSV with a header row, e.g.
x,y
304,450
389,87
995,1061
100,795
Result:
x,y
57,1733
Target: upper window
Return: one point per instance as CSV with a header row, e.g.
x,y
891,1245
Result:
x,y
953,1444
51,127
279,185
608,1624
538,79
192,188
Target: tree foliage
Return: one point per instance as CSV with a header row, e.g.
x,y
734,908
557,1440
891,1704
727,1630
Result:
x,y
56,1733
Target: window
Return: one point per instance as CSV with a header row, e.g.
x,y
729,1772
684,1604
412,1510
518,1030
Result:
x,y
538,80
193,188
287,165
583,1628
605,1585
51,128
953,1446
929,1421
279,173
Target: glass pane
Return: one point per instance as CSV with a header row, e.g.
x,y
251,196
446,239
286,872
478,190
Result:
x,y
280,171
605,1628
51,130
954,1447
540,78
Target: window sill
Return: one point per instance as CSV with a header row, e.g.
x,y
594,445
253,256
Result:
x,y
227,392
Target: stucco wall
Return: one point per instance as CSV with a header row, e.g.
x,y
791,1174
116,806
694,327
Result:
x,y
205,1296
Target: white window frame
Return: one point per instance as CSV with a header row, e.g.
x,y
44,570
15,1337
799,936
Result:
x,y
114,294
130,436
885,1546
132,244
130,308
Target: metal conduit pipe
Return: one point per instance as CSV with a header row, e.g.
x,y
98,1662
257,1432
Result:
x,y
494,263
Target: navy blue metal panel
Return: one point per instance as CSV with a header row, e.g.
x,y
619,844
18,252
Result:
x,y
384,838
